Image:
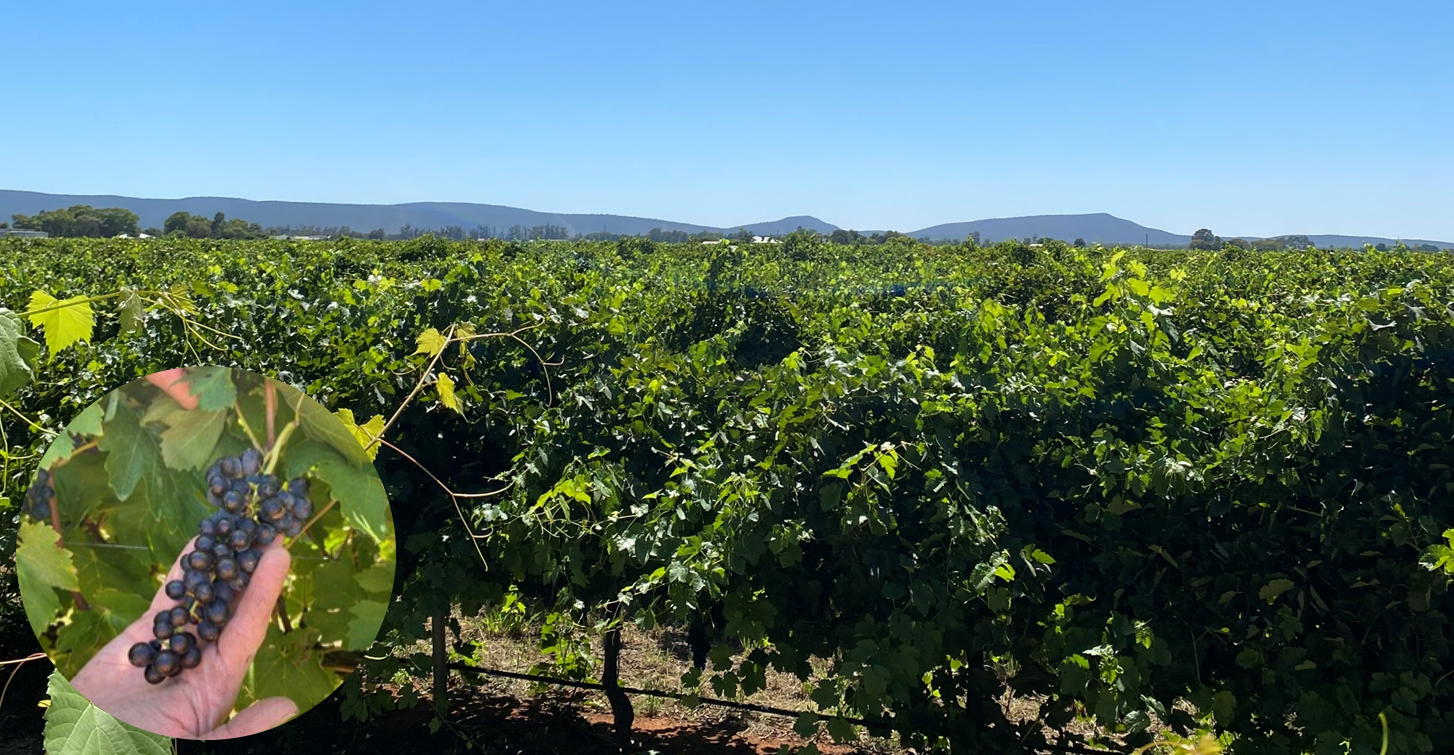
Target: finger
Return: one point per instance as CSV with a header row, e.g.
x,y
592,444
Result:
x,y
258,717
249,623
170,381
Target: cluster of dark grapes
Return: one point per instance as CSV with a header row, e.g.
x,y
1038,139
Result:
x,y
41,497
253,510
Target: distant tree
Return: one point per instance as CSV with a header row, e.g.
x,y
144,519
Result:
x,y
743,236
378,234
1296,242
1205,240
176,222
1237,244
1381,247
1267,245
198,227
1079,243
117,220
153,231
4,225
58,222
1426,248
88,226
217,222
237,228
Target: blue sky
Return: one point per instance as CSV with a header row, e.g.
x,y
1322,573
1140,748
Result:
x,y
1256,118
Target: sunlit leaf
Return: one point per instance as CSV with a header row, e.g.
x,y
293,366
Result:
x,y
65,322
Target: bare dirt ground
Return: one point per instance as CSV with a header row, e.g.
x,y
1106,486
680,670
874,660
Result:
x,y
657,660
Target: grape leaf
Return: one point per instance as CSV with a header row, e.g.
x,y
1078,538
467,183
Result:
x,y
131,451
70,322
1224,707
366,433
213,387
88,631
190,437
334,590
160,408
358,489
447,395
171,498
431,342
43,567
379,578
107,569
18,354
1274,588
82,485
130,311
73,726
841,730
87,423
59,449
364,629
320,424
287,666
173,506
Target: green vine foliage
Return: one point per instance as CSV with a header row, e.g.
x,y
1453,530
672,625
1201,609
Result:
x,y
129,477
73,726
1113,480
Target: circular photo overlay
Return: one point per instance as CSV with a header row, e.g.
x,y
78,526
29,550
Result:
x,y
206,553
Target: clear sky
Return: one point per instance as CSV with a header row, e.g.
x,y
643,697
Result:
x,y
1256,118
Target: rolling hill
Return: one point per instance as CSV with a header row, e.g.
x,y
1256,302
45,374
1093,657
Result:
x,y
1097,228
365,217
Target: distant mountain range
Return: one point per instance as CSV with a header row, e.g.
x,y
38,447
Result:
x,y
1094,228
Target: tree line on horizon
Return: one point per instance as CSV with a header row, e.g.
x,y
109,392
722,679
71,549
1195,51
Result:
x,y
84,221
1205,240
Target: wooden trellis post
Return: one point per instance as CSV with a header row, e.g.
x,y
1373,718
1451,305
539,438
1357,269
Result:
x,y
441,668
611,680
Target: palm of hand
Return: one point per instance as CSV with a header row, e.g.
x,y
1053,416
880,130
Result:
x,y
195,703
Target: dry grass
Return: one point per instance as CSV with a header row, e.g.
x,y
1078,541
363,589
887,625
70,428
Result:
x,y
657,659
654,659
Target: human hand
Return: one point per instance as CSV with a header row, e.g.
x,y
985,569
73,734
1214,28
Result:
x,y
196,703
171,382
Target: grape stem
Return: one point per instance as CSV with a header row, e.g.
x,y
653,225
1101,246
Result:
x,y
246,428
317,516
17,663
274,451
270,397
453,497
35,426
84,447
